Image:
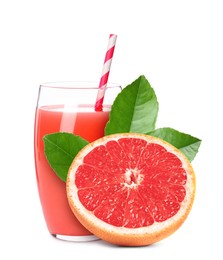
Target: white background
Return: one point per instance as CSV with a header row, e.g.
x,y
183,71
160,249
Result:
x,y
177,45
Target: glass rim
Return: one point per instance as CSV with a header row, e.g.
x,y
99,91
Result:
x,y
77,85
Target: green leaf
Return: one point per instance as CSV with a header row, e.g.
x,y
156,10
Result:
x,y
135,109
187,144
60,150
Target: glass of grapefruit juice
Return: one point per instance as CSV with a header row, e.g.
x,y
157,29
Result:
x,y
66,107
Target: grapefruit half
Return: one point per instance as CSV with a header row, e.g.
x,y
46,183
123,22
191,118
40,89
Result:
x,y
131,189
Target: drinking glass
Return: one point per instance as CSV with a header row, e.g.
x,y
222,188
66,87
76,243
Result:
x,y
66,107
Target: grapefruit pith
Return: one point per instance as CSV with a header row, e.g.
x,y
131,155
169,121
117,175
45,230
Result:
x,y
131,189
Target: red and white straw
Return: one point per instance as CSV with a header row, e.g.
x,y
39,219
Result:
x,y
105,72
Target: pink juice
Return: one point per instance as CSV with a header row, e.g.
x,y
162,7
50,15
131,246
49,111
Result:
x,y
52,191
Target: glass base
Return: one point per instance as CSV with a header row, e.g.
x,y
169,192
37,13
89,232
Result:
x,y
76,238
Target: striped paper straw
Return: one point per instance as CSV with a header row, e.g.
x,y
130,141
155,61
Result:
x,y
105,72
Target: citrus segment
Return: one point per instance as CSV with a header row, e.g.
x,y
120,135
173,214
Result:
x,y
131,189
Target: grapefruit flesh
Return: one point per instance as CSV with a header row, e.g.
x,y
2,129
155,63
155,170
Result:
x,y
131,189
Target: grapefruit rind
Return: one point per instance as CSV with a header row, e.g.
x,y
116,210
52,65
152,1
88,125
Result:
x,y
122,235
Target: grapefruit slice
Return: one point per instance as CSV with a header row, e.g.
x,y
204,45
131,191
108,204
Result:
x,y
131,189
